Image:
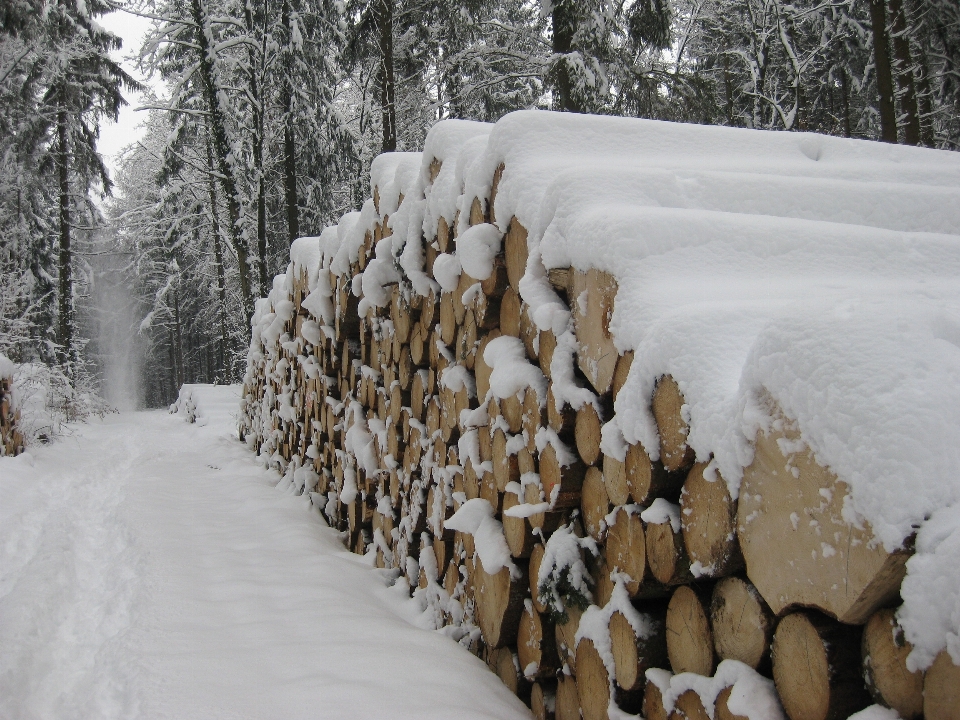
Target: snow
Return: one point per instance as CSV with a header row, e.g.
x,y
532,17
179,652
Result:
x,y
477,248
7,368
930,615
662,511
876,712
511,371
753,696
152,568
392,175
476,517
446,271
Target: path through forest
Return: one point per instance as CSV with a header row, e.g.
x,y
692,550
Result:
x,y
150,568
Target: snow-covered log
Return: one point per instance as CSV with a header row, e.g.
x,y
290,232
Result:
x,y
702,366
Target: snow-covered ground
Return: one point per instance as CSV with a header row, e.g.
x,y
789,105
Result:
x,y
150,568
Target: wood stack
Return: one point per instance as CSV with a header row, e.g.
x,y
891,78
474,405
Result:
x,y
395,418
11,439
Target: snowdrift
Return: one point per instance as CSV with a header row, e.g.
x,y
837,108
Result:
x,y
601,388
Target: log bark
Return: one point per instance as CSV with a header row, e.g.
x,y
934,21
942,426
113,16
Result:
x,y
816,668
742,623
708,520
941,689
689,640
798,548
884,651
633,652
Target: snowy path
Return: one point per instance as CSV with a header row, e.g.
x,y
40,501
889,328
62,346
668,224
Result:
x,y
149,568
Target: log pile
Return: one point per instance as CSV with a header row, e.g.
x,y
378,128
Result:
x,y
11,439
584,574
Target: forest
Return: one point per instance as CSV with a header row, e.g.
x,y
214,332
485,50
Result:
x,y
272,111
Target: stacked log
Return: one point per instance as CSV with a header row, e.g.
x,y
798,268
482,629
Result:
x,y
400,409
11,438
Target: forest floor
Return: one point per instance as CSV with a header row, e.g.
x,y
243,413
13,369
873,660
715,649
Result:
x,y
151,568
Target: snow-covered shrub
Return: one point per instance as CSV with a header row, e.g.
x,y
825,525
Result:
x,y
564,581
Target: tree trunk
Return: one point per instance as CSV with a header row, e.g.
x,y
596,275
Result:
x,y
388,108
221,278
904,68
289,141
221,146
65,319
564,26
881,55
254,65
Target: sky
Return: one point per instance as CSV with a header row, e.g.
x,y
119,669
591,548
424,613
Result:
x,y
116,136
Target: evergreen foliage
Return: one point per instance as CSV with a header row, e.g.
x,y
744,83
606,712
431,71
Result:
x,y
274,109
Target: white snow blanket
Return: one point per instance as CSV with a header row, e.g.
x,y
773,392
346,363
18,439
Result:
x,y
151,568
